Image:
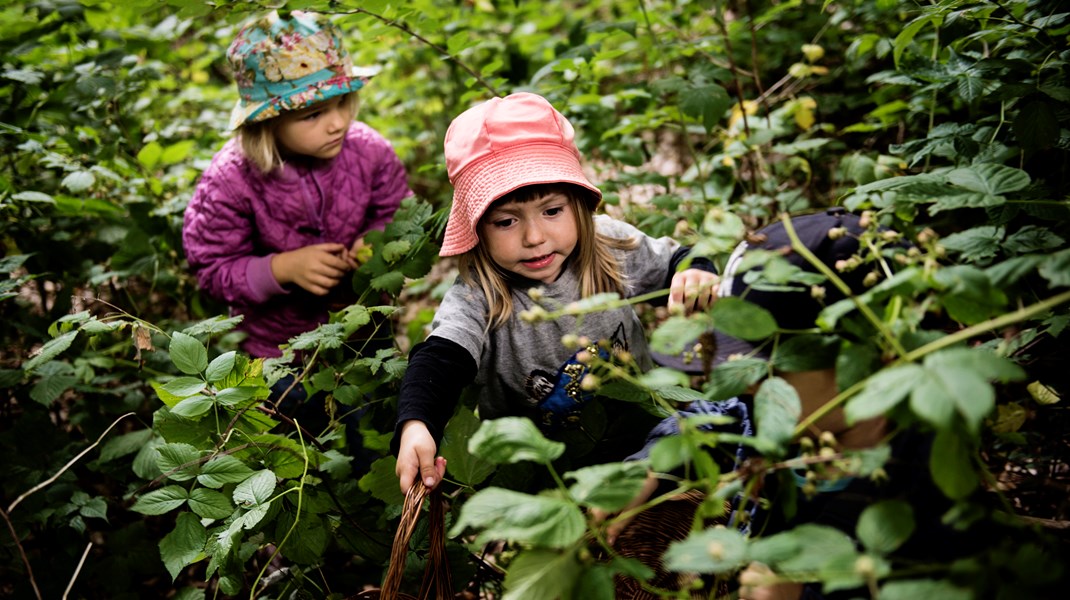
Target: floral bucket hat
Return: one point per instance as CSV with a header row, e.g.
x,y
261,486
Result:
x,y
288,63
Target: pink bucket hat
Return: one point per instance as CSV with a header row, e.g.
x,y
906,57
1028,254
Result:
x,y
500,146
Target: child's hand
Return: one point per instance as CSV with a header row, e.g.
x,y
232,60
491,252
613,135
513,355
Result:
x,y
694,289
316,268
416,456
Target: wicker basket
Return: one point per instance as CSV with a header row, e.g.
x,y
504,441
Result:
x,y
648,536
437,582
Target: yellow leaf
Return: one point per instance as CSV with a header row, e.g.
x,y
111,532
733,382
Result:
x,y
813,52
804,116
1042,394
1009,418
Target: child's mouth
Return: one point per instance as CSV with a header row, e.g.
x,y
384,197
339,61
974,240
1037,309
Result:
x,y
538,262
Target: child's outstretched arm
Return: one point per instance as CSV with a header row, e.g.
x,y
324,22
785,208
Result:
x,y
416,457
693,289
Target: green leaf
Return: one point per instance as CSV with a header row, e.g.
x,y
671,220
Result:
x,y
951,464
193,407
677,334
183,387
885,526
220,367
161,501
933,398
184,545
732,378
180,458
176,153
990,179
883,392
381,481
512,440
255,490
500,514
78,181
776,410
464,466
31,196
210,504
609,486
236,395
742,319
50,350
669,453
707,103
906,35
924,588
1037,125
390,282
1056,269
51,387
150,155
815,545
127,443
968,294
717,550
542,575
188,354
222,470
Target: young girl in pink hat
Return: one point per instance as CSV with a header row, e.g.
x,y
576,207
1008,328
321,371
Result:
x,y
277,217
523,226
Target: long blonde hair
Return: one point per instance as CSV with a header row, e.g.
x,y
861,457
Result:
x,y
597,269
259,145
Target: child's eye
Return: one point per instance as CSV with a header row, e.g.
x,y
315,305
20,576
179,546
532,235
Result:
x,y
310,116
505,222
553,211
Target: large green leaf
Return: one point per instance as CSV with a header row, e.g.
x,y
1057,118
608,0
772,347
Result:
x,y
776,409
50,350
744,320
512,440
609,486
255,490
951,463
500,514
163,500
179,461
222,470
542,575
210,504
188,354
883,392
184,545
717,550
463,465
885,526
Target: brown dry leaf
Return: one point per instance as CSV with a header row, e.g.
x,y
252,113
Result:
x,y
142,340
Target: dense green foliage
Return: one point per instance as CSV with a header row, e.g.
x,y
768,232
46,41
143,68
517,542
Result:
x,y
134,454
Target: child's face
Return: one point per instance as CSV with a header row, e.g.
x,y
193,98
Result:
x,y
316,131
532,239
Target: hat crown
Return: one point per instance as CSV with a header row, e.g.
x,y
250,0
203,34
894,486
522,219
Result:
x,y
287,63
502,124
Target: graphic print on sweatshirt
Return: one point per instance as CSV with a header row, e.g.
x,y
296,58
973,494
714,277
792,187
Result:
x,y
560,397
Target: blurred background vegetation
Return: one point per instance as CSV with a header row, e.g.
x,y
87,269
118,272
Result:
x,y
947,116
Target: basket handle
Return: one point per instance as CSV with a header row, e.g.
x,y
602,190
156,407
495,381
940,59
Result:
x,y
437,582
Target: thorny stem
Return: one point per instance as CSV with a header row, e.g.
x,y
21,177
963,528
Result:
x,y
77,570
22,553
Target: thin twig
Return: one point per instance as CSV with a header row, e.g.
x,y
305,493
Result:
x,y
69,464
22,553
77,570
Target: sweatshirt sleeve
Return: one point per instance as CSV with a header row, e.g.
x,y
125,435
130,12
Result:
x,y
217,235
438,371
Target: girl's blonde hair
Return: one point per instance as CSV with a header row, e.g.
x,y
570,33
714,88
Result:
x,y
258,142
597,269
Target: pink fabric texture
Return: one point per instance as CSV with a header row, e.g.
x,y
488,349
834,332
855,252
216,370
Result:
x,y
238,219
500,146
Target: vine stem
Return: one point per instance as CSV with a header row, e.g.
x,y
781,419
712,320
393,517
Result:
x,y
297,518
1001,321
69,464
443,51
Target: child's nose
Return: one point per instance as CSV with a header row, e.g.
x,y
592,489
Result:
x,y
533,235
339,118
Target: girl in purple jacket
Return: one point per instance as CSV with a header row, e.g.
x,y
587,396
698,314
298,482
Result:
x,y
278,217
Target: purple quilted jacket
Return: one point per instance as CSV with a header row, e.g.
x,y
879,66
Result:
x,y
238,219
